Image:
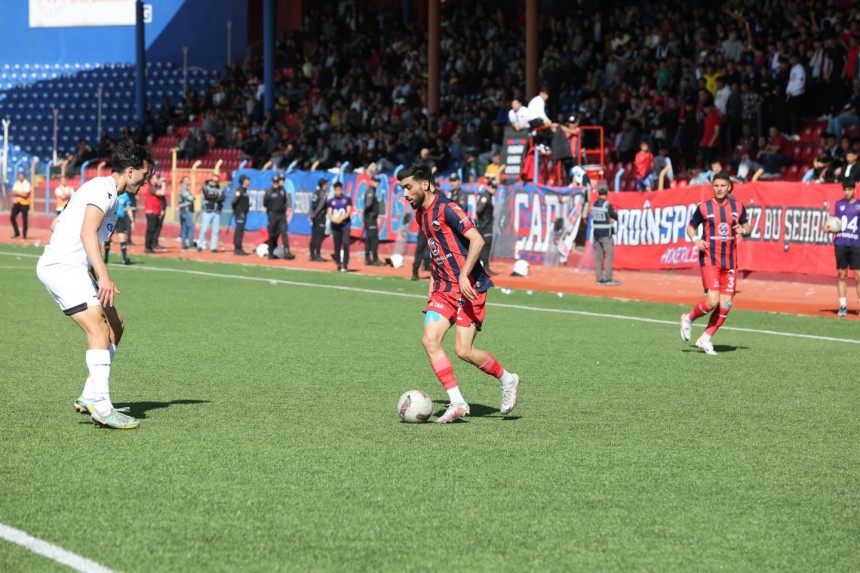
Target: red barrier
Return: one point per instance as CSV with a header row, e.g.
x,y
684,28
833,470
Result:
x,y
785,219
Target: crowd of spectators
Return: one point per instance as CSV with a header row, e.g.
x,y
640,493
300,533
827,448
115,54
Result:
x,y
699,82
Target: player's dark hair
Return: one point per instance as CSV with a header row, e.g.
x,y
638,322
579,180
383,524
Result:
x,y
418,171
725,176
130,154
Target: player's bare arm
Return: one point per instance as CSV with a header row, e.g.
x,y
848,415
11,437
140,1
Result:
x,y
93,217
698,241
476,243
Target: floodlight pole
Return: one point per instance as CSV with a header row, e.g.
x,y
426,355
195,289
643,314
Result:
x,y
184,70
56,130
100,93
4,160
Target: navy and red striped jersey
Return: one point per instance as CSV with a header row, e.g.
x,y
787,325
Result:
x,y
718,223
445,224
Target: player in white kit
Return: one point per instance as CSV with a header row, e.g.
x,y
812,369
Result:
x,y
73,252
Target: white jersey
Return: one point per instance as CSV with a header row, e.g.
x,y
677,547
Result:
x,y
65,245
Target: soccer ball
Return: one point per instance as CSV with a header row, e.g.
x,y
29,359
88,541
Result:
x,y
414,407
396,261
262,250
833,224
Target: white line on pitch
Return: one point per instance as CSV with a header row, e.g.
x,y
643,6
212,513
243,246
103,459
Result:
x,y
51,551
494,304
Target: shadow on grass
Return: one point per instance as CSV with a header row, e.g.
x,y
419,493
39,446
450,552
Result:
x,y
719,348
475,411
139,409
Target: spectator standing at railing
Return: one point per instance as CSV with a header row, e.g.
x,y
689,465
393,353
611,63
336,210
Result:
x,y
21,192
371,224
160,187
643,167
186,214
603,217
794,93
213,203
518,116
152,211
63,193
241,205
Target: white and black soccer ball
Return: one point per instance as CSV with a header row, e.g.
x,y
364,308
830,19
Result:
x,y
262,250
833,224
396,261
414,406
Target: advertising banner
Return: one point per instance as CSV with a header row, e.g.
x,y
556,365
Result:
x,y
81,13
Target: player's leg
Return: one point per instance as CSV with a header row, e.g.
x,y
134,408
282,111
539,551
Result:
x,y
468,322
216,228
711,284
857,286
117,327
95,323
13,218
25,214
842,256
123,247
599,255
337,237
726,292
437,321
345,242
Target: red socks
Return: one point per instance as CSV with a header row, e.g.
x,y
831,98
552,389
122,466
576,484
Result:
x,y
718,317
491,367
698,311
444,372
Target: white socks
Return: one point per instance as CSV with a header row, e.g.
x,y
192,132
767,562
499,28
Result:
x,y
87,394
506,379
98,362
843,301
455,396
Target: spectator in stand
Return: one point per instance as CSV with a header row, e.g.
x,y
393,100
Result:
x,y
710,142
849,115
794,94
849,172
159,185
770,154
663,169
643,167
63,193
518,116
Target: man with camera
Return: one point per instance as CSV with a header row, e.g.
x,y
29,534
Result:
x,y
213,202
277,203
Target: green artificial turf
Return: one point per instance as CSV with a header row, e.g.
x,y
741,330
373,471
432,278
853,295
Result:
x,y
270,442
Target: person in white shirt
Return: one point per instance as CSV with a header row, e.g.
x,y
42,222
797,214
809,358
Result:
x,y
22,192
63,193
794,93
537,110
518,116
73,252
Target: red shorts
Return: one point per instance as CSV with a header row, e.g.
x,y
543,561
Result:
x,y
723,280
456,309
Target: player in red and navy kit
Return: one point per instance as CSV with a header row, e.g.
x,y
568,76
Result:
x,y
847,243
724,222
458,289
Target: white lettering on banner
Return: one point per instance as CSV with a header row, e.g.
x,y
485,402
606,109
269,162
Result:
x,y
680,255
303,202
515,149
657,226
255,199
803,225
541,220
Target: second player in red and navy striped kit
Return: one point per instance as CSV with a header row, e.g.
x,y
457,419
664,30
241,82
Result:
x,y
458,290
724,222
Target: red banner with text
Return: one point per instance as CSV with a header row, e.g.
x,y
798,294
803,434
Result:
x,y
785,220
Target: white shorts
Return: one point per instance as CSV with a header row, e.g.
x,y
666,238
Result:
x,y
70,285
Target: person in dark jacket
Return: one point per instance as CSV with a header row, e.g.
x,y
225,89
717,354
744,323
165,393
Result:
x,y
484,222
317,217
371,224
241,205
603,217
277,204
